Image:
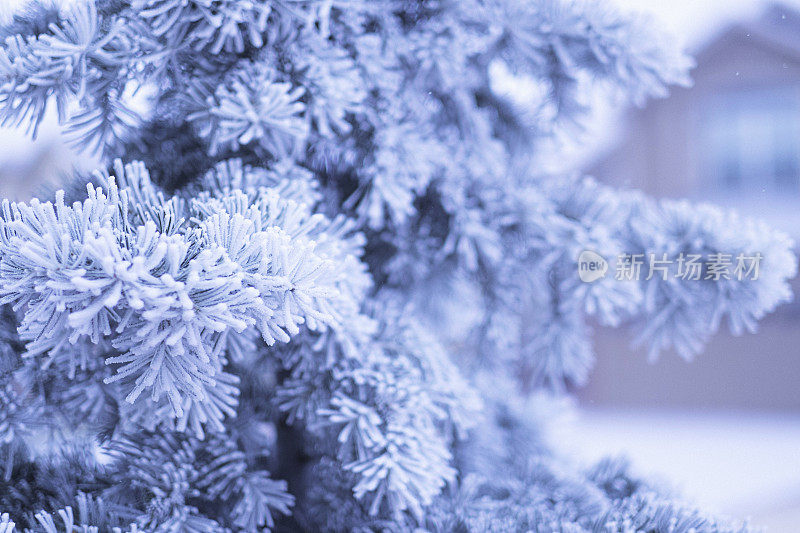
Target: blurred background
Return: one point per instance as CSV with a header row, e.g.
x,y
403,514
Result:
x,y
725,428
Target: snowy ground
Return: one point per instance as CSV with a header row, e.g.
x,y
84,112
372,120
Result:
x,y
741,465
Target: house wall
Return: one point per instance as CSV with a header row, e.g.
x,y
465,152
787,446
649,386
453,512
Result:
x,y
661,148
661,154
750,372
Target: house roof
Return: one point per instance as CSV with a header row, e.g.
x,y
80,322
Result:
x,y
778,28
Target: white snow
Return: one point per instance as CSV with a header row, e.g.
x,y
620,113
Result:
x,y
744,465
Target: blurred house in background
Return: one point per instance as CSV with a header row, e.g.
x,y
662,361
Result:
x,y
734,136
732,139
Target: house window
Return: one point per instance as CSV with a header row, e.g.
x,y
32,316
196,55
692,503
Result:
x,y
751,143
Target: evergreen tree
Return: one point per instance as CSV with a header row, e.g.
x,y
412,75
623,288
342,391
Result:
x,y
322,283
